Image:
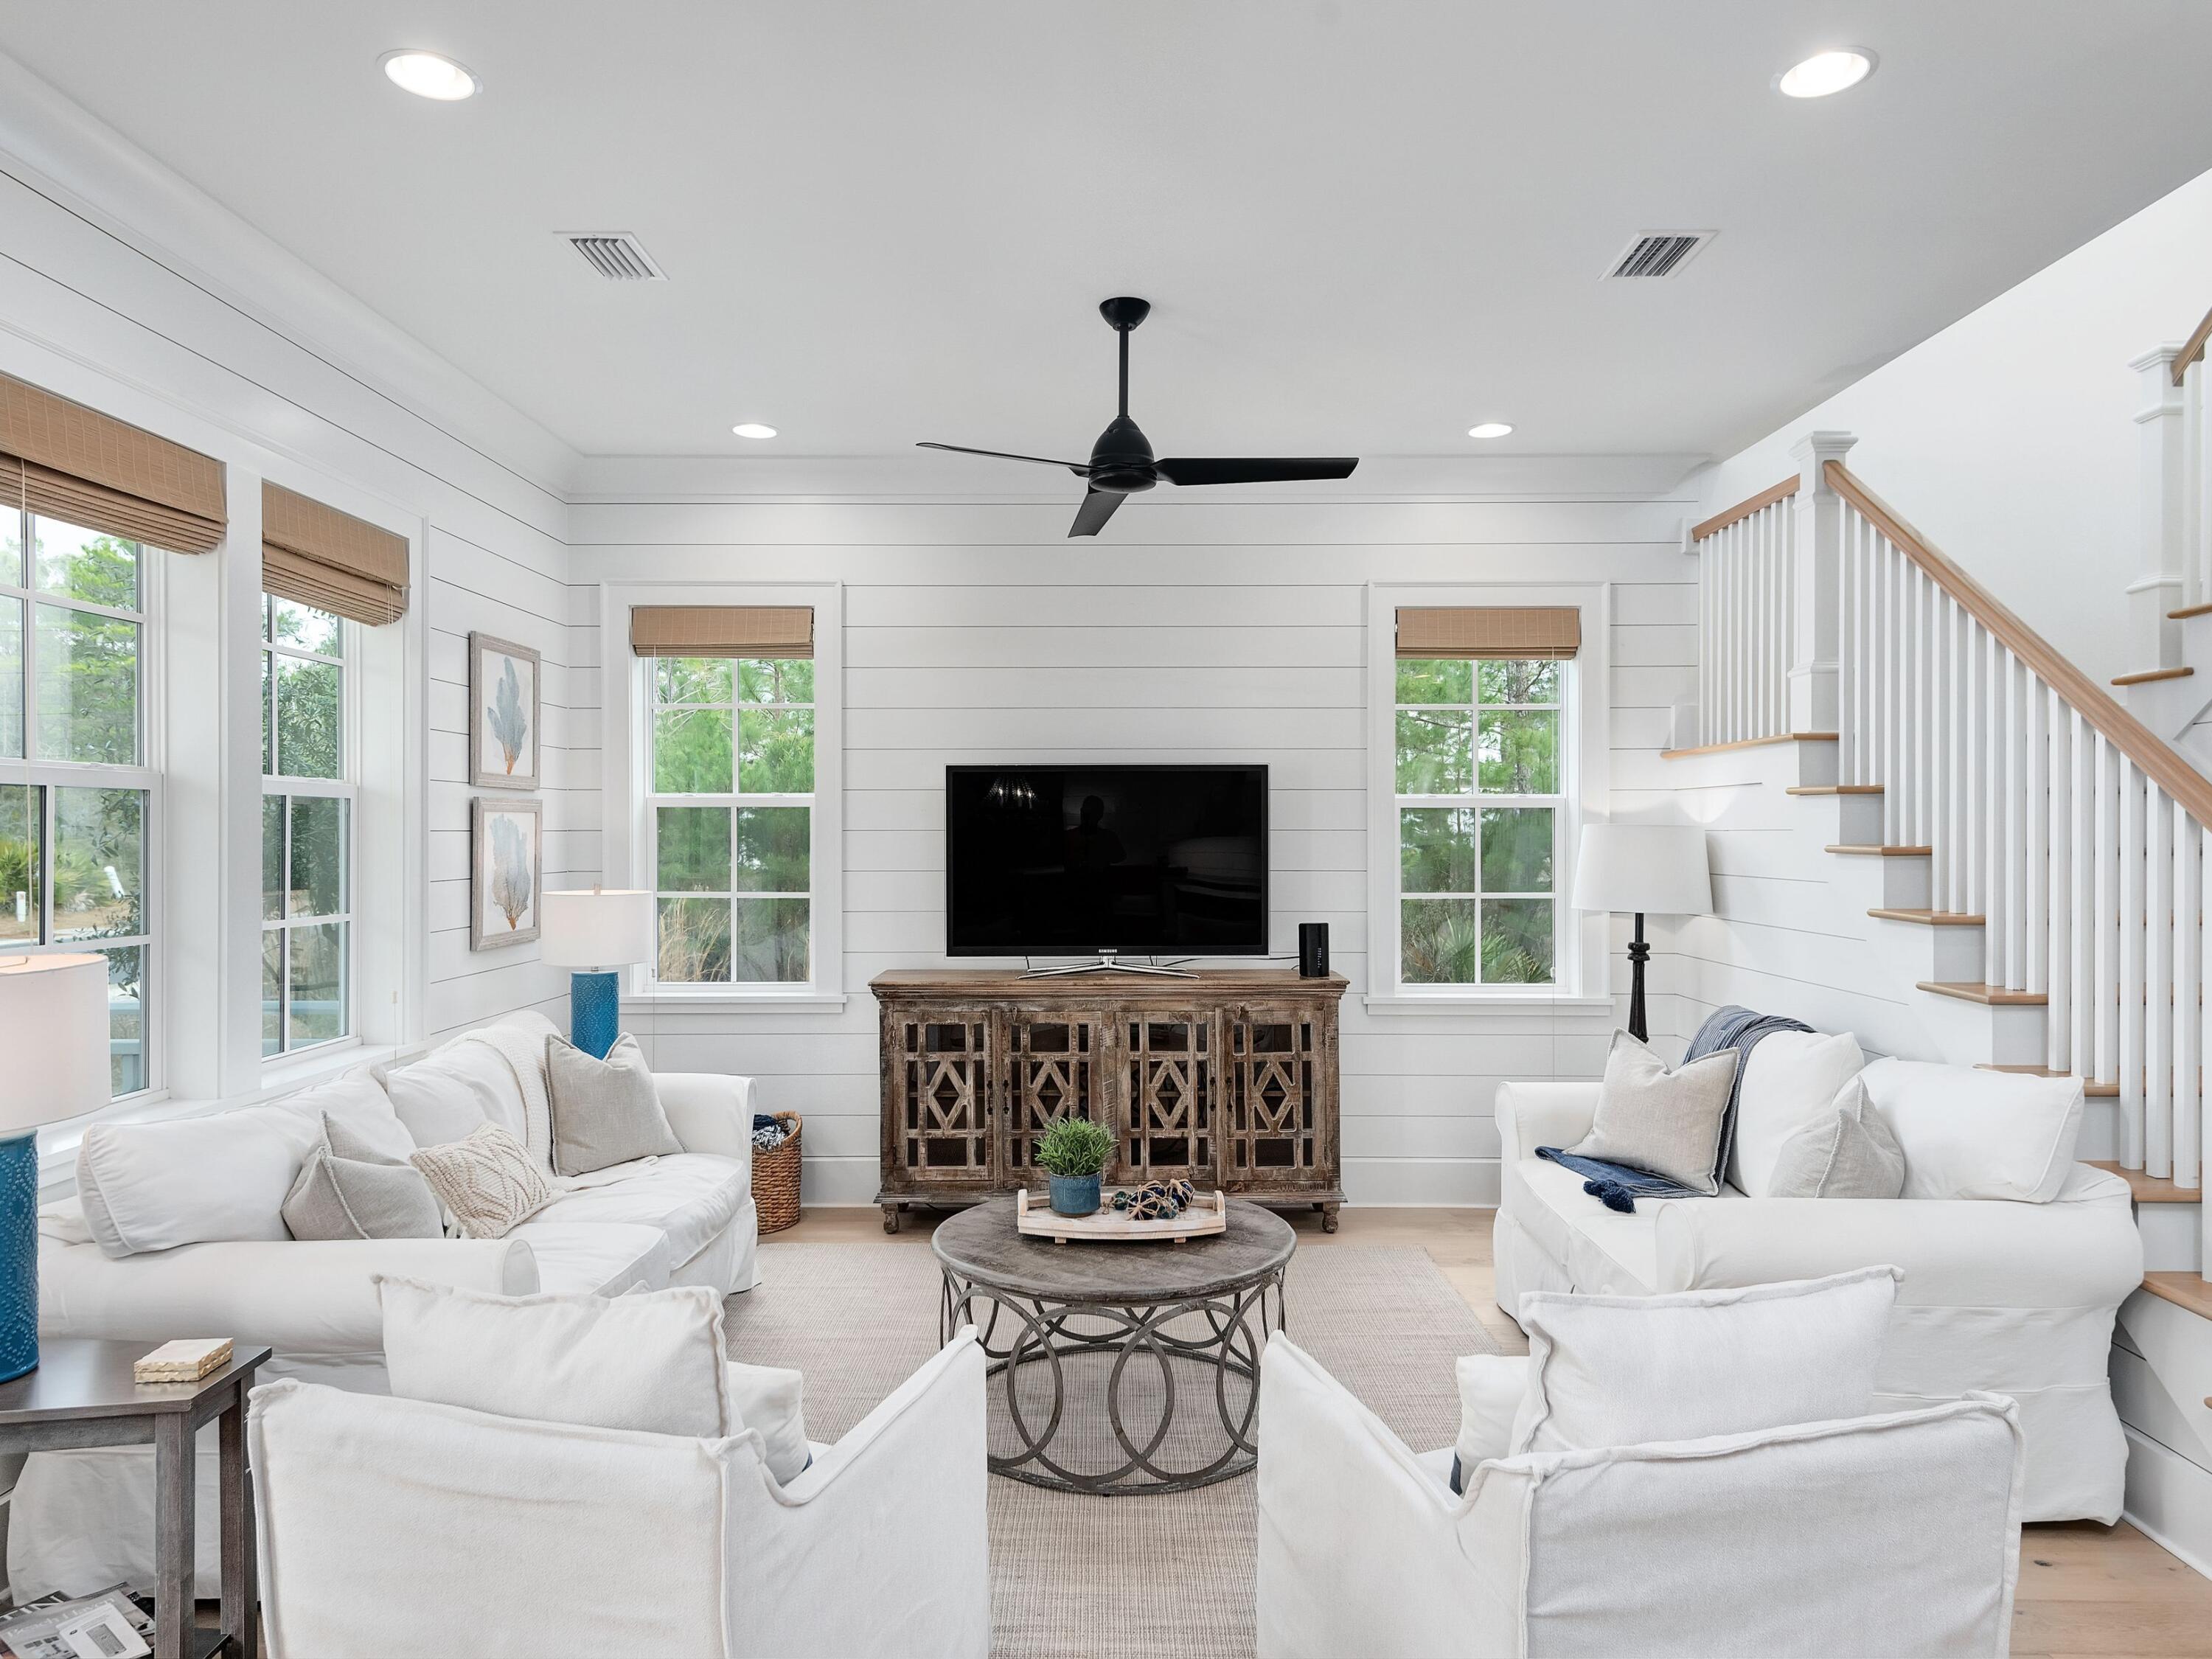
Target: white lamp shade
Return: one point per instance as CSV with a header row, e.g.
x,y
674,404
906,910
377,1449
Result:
x,y
1657,869
53,1039
603,927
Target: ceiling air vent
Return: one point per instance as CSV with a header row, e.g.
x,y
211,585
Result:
x,y
1659,253
618,257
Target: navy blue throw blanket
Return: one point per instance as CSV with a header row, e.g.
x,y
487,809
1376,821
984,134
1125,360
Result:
x,y
1617,1186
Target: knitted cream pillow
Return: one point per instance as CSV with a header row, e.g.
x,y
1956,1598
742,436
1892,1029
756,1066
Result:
x,y
487,1180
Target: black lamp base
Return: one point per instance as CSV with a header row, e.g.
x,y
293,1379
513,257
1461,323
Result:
x,y
1638,954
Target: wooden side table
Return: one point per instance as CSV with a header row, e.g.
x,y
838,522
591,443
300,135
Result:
x,y
81,1394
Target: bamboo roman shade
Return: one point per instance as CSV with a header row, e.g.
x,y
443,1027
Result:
x,y
722,630
69,462
1489,630
316,555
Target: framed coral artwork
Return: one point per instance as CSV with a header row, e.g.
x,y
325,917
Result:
x,y
503,713
507,876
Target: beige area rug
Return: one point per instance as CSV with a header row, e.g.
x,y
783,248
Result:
x,y
1080,1578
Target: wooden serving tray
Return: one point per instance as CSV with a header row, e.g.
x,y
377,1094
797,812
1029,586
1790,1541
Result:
x,y
1108,1226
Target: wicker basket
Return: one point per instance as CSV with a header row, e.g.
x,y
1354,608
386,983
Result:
x,y
776,1178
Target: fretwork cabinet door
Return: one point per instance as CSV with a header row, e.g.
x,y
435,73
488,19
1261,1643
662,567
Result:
x,y
937,1086
1278,1079
1051,1064
1166,1086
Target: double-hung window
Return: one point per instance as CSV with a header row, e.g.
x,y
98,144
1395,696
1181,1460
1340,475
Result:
x,y
77,797
723,748
732,814
306,828
1480,766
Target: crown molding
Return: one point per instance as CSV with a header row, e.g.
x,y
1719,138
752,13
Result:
x,y
64,150
629,480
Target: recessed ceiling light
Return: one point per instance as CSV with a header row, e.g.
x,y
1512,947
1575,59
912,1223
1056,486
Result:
x,y
1826,72
1489,429
753,429
430,74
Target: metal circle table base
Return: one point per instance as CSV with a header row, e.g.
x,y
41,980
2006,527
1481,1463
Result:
x,y
1138,1327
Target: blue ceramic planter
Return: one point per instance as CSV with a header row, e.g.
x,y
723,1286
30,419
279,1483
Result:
x,y
1074,1194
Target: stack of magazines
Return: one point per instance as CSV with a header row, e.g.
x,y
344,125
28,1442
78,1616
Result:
x,y
112,1625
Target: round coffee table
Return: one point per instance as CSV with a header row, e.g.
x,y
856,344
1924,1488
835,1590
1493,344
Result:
x,y
1113,1303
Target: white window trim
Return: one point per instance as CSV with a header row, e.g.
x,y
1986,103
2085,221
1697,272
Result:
x,y
1586,719
625,755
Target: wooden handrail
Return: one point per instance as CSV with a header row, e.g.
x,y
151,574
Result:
x,y
1743,509
2194,349
2182,782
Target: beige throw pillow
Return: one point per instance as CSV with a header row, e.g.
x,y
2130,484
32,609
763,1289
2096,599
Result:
x,y
349,1189
604,1111
1666,1122
1854,1154
487,1180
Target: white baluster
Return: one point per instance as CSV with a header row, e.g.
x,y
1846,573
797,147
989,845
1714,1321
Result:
x,y
2129,950
1957,704
2058,885
2035,829
2105,979
2078,900
2014,785
1995,870
2188,995
2158,980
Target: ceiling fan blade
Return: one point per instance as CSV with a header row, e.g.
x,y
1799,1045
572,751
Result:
x,y
1097,507
1077,468
1212,469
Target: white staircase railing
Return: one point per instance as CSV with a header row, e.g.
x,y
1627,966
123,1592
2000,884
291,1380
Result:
x,y
2076,835
1746,582
2047,809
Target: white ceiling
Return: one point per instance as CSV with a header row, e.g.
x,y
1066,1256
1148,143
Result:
x,y
1364,224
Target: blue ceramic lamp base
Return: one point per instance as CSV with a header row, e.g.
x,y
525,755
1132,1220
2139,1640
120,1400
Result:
x,y
595,1012
19,1256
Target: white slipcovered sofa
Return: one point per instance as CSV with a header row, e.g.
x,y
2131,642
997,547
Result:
x,y
82,1520
2015,1297
1897,1535
398,1527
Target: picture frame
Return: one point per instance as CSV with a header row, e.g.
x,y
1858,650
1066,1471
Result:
x,y
504,709
507,872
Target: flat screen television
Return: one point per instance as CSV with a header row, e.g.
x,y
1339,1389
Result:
x,y
1073,860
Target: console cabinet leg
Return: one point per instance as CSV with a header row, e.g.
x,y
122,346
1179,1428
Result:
x,y
1328,1217
891,1217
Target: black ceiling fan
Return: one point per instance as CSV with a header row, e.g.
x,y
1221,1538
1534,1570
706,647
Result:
x,y
1122,461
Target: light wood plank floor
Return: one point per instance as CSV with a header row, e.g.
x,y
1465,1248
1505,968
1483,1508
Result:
x,y
2084,1589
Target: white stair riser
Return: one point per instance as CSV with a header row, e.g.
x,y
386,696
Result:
x,y
1858,820
1954,953
2173,1242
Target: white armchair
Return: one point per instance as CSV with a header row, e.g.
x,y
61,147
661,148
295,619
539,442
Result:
x,y
1902,1530
397,1527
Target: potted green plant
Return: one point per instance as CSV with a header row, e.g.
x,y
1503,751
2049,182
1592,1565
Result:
x,y
1073,1151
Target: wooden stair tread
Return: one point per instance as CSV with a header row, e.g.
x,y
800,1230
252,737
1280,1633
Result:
x,y
1749,743
2184,1289
2148,1188
1834,789
1931,918
1884,852
1994,996
2150,674
2090,1087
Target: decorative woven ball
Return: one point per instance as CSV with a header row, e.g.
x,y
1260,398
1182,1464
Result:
x,y
1156,1200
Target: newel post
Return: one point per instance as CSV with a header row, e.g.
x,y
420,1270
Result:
x,y
1816,585
2160,583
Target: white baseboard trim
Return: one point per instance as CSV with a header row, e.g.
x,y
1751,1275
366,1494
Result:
x,y
2169,1501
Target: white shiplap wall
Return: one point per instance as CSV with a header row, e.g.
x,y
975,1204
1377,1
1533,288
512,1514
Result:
x,y
104,313
1191,633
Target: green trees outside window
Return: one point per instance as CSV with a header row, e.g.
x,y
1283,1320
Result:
x,y
732,818
73,815
1481,807
307,830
